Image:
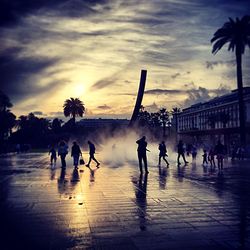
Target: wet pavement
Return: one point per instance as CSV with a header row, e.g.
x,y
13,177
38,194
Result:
x,y
189,207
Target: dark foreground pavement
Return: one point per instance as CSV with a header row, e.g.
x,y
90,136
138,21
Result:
x,y
189,207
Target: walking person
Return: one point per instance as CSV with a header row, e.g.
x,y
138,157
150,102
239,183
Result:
x,y
52,153
92,154
75,153
181,152
163,153
204,156
220,152
62,152
194,153
211,158
142,153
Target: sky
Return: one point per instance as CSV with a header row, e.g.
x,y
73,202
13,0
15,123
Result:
x,y
94,50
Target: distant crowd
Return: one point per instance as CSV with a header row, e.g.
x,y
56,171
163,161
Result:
x,y
213,155
218,151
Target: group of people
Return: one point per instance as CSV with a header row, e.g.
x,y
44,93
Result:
x,y
209,156
218,150
76,154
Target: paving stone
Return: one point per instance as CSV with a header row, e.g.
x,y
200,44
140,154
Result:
x,y
178,208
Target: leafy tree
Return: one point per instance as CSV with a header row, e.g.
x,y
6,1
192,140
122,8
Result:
x,y
56,125
7,119
73,107
4,102
237,34
7,122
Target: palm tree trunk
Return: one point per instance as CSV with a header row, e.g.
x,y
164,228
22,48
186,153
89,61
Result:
x,y
240,97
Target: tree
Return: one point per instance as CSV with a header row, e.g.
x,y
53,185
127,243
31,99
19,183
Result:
x,y
7,122
164,118
56,125
175,112
4,102
73,107
32,129
7,119
237,34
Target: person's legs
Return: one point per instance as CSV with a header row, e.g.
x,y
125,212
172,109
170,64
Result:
x,y
76,160
213,163
164,158
140,162
94,159
90,158
159,160
63,156
183,156
145,163
178,159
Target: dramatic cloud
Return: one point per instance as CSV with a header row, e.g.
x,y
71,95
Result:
x,y
164,91
104,107
202,95
211,65
95,50
38,113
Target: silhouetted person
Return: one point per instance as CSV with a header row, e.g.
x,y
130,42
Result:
x,y
52,153
62,152
189,149
220,152
240,153
204,156
181,152
163,153
92,154
194,153
75,153
18,148
211,158
234,152
142,153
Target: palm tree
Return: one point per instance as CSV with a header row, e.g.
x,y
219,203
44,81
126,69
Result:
x,y
175,111
164,118
73,107
237,34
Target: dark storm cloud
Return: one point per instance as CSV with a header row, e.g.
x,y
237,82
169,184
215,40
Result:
x,y
15,73
103,83
58,113
194,94
12,11
107,81
104,107
38,113
175,75
212,64
203,94
164,91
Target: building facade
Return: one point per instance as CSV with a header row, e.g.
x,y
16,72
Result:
x,y
214,119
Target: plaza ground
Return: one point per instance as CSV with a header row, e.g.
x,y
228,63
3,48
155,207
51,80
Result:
x,y
113,207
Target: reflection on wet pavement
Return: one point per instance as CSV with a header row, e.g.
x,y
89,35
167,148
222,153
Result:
x,y
185,207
